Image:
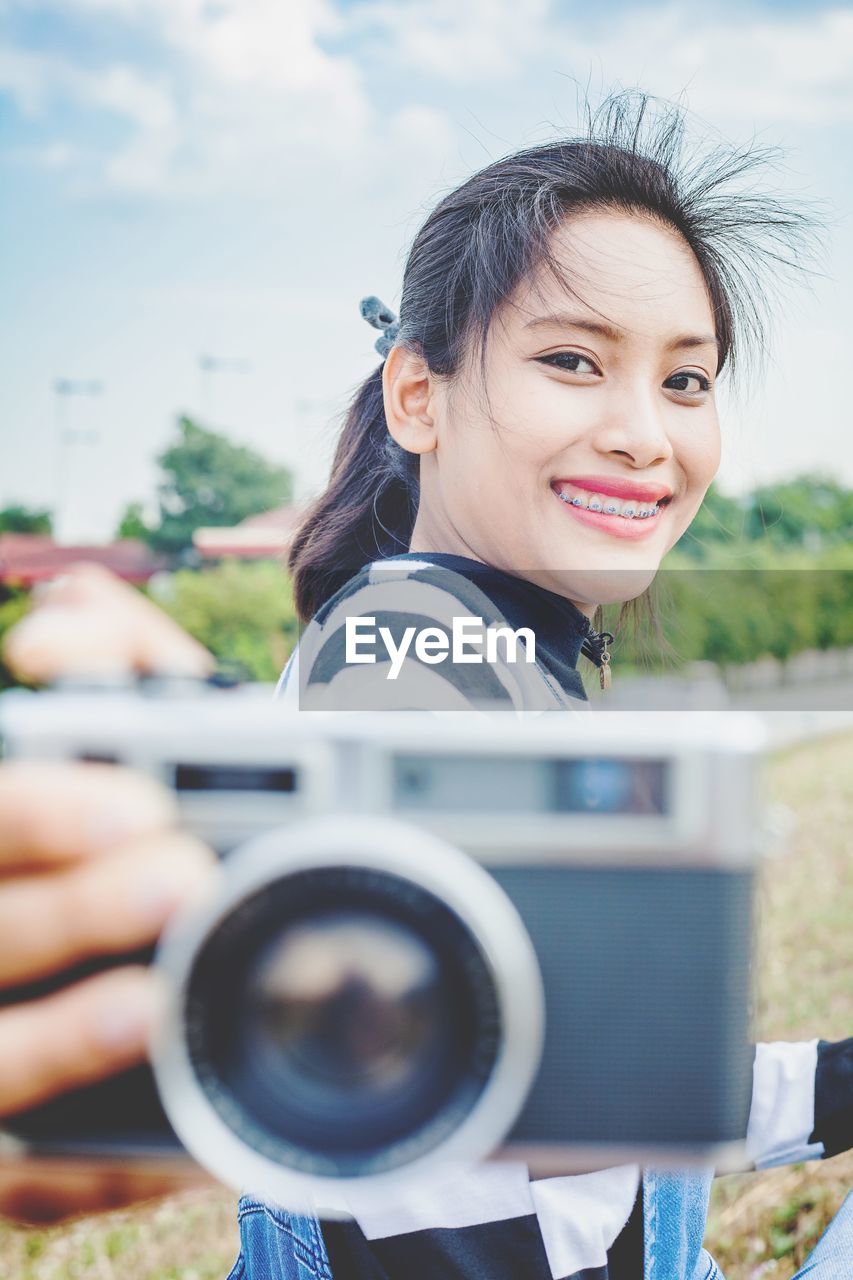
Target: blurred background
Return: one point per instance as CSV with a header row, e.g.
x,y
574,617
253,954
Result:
x,y
197,193
194,196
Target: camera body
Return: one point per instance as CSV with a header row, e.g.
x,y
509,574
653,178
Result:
x,y
434,938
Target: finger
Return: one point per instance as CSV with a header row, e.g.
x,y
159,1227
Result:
x,y
101,907
90,622
76,1036
45,1190
87,583
58,813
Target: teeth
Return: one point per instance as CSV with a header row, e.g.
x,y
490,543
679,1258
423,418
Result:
x,y
628,509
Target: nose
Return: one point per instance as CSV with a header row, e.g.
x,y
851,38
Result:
x,y
635,430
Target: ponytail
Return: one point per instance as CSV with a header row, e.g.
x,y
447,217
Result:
x,y
367,510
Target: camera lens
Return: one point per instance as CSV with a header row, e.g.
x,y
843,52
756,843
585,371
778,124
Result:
x,y
342,1020
357,1006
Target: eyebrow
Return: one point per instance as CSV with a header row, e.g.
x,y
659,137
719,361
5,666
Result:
x,y
563,320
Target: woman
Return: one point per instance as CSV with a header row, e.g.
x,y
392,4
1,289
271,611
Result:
x,y
486,509
541,431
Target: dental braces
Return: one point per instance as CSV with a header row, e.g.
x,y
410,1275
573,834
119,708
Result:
x,y
610,509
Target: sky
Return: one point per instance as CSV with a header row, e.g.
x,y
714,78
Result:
x,y
225,179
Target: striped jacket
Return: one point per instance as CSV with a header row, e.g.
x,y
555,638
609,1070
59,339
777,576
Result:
x,y
412,594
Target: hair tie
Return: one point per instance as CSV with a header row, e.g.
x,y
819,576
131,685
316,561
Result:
x,y
381,317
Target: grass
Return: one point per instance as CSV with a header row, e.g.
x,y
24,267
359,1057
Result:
x,y
187,1237
761,1226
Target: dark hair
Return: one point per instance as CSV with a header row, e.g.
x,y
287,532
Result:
x,y
493,232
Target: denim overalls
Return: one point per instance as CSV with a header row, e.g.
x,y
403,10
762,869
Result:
x,y
278,1246
275,1245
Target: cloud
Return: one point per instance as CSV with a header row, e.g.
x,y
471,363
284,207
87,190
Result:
x,y
37,79
477,41
123,91
262,43
146,105
239,90
23,78
788,68
34,80
795,69
244,93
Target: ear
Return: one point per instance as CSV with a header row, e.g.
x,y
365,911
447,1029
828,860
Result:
x,y
409,391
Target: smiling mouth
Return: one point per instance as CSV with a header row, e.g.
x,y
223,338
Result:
x,y
605,505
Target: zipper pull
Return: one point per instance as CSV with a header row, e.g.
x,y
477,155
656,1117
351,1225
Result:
x,y
595,648
604,675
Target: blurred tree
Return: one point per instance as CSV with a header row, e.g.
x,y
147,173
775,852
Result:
x,y
811,511
242,612
719,521
18,519
14,604
133,524
210,481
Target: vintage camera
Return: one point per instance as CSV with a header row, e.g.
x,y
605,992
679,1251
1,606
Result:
x,y
434,938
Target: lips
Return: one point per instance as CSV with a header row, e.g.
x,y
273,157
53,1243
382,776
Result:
x,y
614,525
635,515
614,487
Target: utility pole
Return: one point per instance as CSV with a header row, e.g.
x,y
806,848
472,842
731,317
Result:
x,y
64,391
209,366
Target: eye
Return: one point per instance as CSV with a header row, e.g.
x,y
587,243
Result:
x,y
682,381
570,362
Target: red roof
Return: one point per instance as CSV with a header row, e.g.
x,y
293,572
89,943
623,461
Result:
x,y
265,535
284,518
27,558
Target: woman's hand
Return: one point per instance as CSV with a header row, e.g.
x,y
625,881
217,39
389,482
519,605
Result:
x,y
90,864
89,622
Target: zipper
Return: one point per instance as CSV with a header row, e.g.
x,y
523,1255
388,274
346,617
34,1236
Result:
x,y
596,648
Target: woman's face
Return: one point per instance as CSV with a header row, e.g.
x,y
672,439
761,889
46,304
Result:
x,y
587,451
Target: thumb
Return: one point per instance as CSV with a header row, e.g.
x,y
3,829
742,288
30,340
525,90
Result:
x,y
91,622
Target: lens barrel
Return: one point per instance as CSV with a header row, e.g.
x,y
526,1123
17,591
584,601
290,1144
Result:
x,y
360,1003
343,1019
